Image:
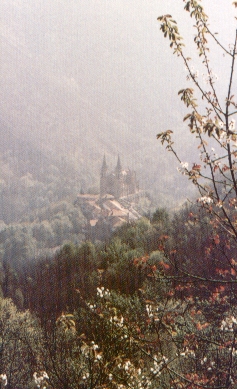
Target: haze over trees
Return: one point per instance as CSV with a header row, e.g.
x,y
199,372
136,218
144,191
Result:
x,y
88,81
154,305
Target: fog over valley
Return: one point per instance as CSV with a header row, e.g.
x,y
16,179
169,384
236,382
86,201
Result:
x,y
80,80
118,194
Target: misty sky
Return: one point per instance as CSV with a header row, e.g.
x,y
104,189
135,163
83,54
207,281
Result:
x,y
112,50
73,67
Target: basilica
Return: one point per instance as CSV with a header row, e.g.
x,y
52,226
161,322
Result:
x,y
118,183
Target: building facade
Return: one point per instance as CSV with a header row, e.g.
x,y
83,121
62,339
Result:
x,y
118,183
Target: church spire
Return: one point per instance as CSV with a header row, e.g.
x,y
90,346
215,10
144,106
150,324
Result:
x,y
104,167
119,166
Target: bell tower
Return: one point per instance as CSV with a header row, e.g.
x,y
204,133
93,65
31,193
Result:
x,y
118,185
103,178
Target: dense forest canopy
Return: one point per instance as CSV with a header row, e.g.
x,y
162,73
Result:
x,y
154,304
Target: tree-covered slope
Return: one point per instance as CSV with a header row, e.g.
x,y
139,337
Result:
x,y
70,93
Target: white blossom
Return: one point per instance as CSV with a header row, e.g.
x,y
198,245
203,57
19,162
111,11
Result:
x,y
158,366
233,320
149,311
184,165
205,200
3,378
127,365
40,379
102,292
211,77
118,321
85,376
204,360
194,72
228,323
92,307
94,346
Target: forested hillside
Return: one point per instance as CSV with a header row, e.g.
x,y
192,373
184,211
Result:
x,y
125,312
62,108
62,105
153,302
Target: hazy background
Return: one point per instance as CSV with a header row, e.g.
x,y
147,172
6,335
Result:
x,y
82,78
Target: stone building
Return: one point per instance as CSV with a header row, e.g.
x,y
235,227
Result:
x,y
119,183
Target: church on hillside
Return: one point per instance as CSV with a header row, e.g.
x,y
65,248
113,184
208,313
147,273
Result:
x,y
118,183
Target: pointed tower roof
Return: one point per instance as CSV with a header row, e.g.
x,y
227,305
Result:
x,y
104,166
119,166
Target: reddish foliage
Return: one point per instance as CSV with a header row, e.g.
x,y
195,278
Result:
x,y
216,239
196,167
165,266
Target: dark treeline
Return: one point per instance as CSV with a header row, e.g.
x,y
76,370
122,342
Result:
x,y
55,284
76,314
